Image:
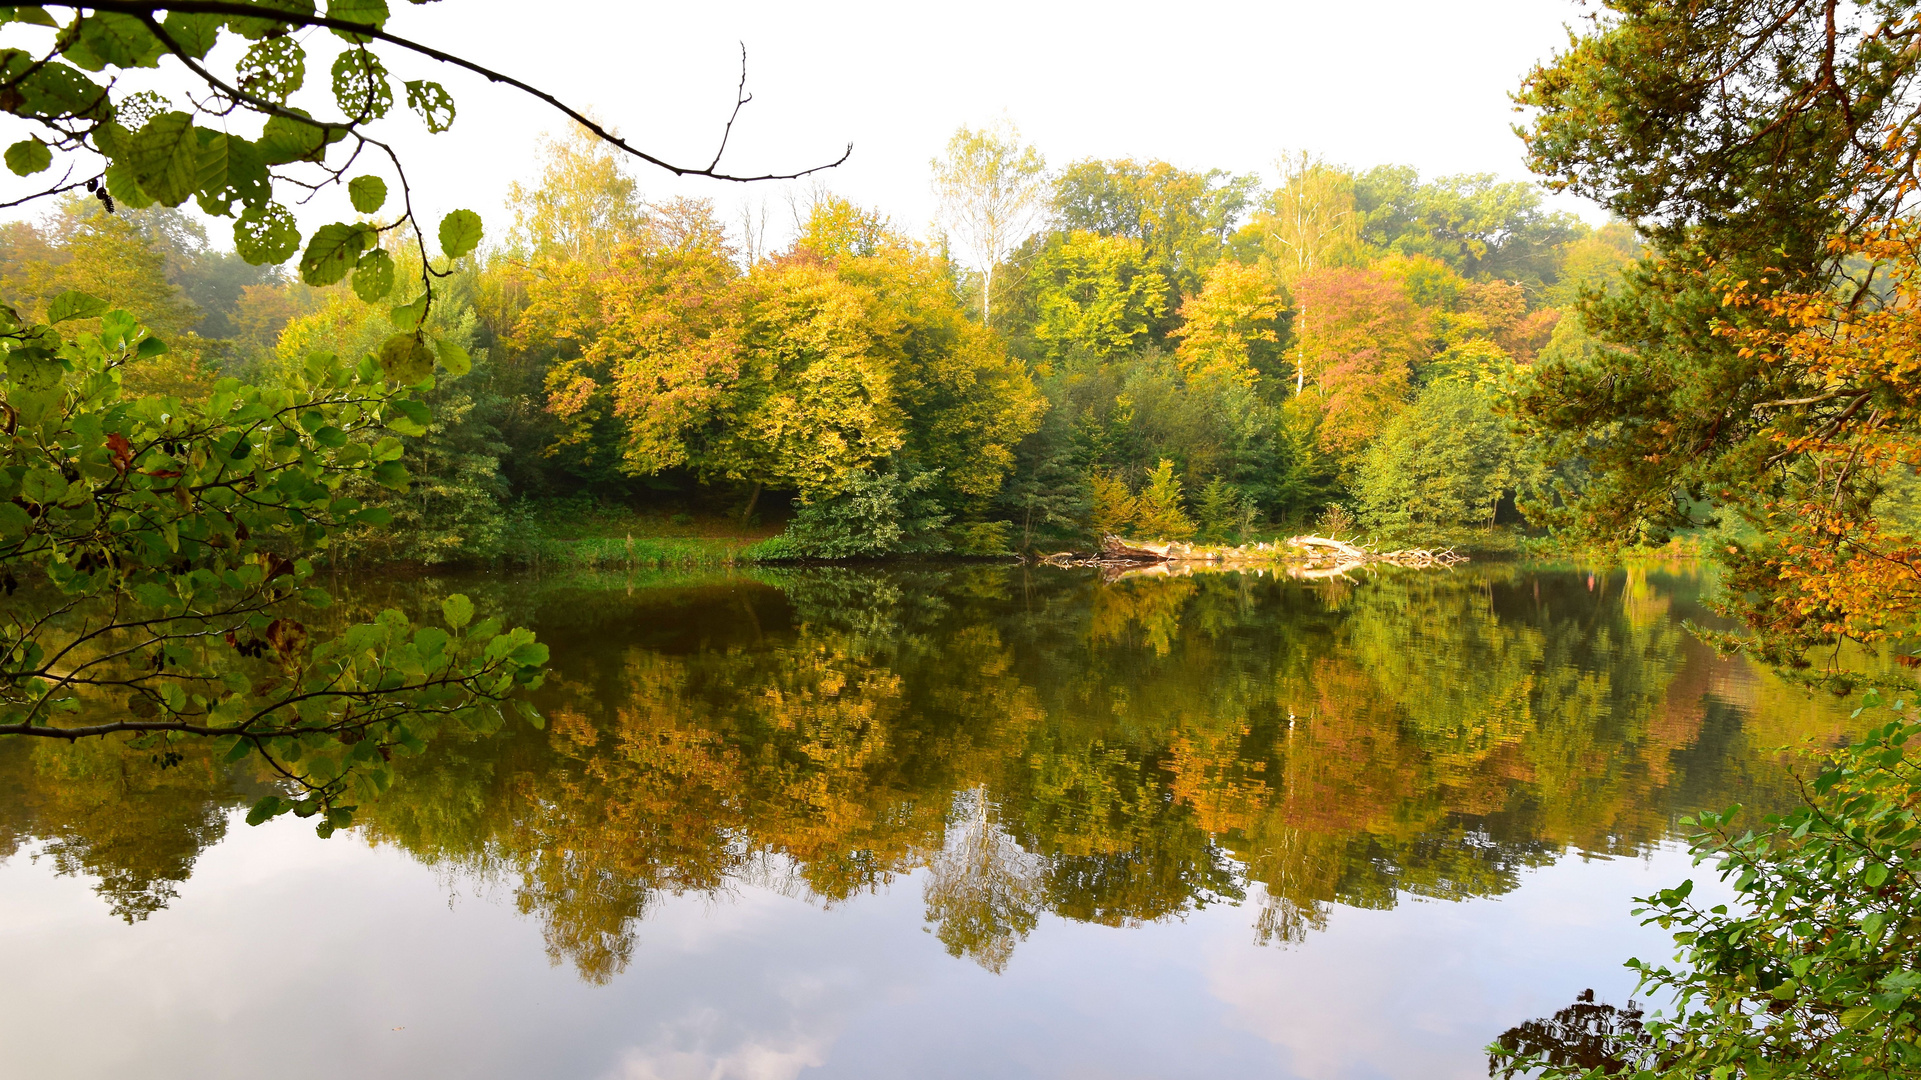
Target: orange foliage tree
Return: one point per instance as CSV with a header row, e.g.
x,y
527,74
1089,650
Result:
x,y
1837,555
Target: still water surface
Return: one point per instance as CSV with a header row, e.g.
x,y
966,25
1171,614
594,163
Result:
x,y
943,822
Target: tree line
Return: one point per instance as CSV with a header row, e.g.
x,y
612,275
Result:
x,y
1143,349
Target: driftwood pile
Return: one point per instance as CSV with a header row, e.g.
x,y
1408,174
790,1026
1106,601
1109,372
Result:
x,y
1299,556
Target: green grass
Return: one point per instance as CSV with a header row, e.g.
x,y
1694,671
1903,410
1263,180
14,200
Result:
x,y
587,535
636,553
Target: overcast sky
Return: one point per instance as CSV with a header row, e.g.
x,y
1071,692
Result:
x,y
1200,84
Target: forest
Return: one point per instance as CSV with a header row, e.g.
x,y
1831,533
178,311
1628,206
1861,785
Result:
x,y
1147,351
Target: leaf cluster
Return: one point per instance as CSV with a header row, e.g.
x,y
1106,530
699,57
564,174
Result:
x,y
1814,970
161,545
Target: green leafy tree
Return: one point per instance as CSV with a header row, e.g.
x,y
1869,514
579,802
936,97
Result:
x,y
873,514
1094,296
1479,225
1672,411
1219,510
1182,219
1446,461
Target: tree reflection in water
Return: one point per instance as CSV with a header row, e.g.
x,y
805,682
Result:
x,y
1034,742
1586,1035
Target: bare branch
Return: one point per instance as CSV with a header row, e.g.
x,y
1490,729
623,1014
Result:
x,y
145,12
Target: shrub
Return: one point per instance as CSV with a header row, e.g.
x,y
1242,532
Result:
x,y
875,514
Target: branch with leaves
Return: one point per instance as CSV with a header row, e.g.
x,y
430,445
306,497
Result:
x,y
151,552
136,148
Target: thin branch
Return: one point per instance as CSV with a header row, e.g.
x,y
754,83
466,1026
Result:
x,y
741,97
145,12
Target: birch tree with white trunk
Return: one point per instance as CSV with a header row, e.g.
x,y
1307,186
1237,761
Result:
x,y
993,194
1311,223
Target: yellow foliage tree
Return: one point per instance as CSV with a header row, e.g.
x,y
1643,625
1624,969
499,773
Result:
x,y
1225,327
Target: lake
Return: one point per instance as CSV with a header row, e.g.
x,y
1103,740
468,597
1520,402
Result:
x,y
942,821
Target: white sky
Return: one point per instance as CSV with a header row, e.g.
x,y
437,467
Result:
x,y
1200,84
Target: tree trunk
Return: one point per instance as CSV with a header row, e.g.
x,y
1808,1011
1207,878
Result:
x,y
748,514
1300,356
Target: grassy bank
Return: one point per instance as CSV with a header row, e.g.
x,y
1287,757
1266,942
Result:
x,y
637,553
583,534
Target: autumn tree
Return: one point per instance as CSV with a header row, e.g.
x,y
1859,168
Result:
x,y
1232,328
1309,223
1722,373
1182,218
1357,353
1094,296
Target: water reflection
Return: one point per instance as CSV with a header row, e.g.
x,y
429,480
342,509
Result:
x,y
1040,742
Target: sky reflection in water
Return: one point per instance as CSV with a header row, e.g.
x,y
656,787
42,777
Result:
x,y
945,822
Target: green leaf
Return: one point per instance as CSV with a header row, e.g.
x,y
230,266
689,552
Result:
x,y
43,486
195,34
1876,875
406,359
391,474
266,235
112,139
244,178
14,522
412,419
254,28
374,277
431,641
28,156
366,12
408,317
459,233
360,86
272,69
270,806
110,39
333,251
124,186
74,304
458,610
210,160
433,103
285,140
165,156
153,594
452,357
368,193
530,714
55,90
241,748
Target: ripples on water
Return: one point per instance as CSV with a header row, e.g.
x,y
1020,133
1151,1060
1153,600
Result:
x,y
879,822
